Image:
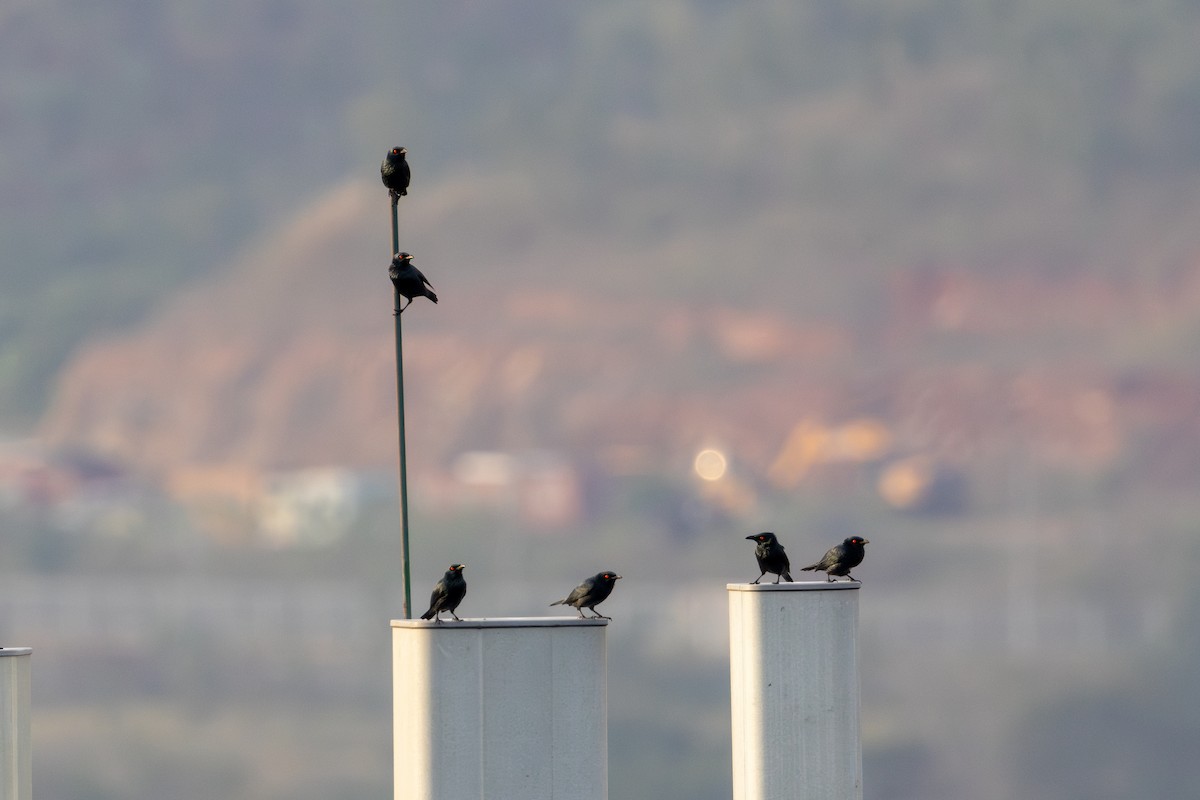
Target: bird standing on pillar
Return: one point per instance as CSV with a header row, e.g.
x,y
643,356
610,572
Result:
x,y
409,281
771,557
591,593
395,173
841,558
447,594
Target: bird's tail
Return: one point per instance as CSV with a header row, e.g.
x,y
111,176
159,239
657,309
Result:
x,y
562,602
431,295
428,614
810,568
787,576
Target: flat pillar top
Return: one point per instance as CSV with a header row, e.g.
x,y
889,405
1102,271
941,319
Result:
x,y
796,586
15,651
502,622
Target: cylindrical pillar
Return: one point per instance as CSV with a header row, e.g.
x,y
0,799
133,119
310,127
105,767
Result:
x,y
794,691
486,709
16,780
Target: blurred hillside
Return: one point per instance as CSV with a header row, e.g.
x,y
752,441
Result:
x,y
784,157
285,361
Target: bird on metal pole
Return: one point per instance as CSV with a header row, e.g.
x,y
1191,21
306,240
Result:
x,y
771,557
841,558
409,281
447,594
591,593
395,172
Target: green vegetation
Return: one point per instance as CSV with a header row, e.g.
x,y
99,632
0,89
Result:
x,y
848,140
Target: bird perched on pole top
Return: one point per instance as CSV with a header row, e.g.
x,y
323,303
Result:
x,y
409,281
591,593
447,594
771,557
841,558
395,173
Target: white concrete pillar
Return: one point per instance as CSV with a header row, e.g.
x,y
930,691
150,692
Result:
x,y
794,691
500,709
16,780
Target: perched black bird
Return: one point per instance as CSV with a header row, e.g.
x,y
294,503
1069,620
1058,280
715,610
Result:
x,y
447,594
841,558
395,173
591,593
771,557
408,280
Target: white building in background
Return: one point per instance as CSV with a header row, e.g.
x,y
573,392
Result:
x,y
310,507
539,487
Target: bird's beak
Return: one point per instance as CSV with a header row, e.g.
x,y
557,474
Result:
x,y
751,536
866,541
616,577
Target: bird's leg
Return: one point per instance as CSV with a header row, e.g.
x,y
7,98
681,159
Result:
x,y
456,619
756,580
777,579
829,578
581,614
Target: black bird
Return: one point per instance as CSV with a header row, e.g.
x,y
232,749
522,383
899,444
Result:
x,y
409,281
591,593
447,594
771,557
395,173
841,558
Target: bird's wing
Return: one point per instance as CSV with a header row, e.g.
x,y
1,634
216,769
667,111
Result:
x,y
827,560
833,556
579,592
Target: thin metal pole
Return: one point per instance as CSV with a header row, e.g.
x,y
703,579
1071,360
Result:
x,y
404,561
